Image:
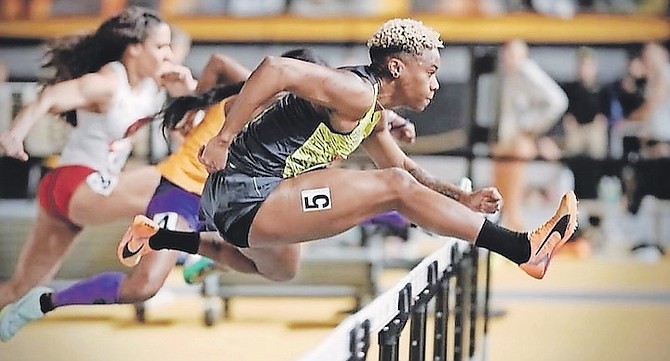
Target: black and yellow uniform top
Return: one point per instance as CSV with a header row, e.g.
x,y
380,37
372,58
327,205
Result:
x,y
292,137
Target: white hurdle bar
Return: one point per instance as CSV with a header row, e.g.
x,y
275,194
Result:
x,y
450,277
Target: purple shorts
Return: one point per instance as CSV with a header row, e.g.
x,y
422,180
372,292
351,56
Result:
x,y
391,219
170,198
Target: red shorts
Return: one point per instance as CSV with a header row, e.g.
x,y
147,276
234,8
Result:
x,y
56,188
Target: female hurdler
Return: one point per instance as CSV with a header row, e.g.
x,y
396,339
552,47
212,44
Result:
x,y
108,83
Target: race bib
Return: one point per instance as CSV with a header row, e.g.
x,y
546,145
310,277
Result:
x,y
316,199
101,184
166,220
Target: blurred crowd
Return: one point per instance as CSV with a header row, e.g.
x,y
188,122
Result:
x,y
612,135
16,9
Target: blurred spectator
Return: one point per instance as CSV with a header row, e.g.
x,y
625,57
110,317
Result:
x,y
654,113
631,87
586,137
585,123
530,104
5,97
648,173
623,97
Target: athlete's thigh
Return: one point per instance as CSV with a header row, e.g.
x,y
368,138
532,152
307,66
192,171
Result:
x,y
278,263
319,204
130,197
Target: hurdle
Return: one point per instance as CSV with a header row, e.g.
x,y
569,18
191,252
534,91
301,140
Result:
x,y
452,282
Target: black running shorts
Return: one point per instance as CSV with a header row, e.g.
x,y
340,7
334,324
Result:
x,y
230,202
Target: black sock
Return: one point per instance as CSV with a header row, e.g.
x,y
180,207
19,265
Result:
x,y
513,245
46,305
188,242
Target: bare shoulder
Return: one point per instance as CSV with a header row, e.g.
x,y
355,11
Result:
x,y
355,79
100,83
107,73
357,90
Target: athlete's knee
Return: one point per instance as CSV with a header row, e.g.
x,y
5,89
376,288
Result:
x,y
281,271
139,293
138,288
397,181
280,274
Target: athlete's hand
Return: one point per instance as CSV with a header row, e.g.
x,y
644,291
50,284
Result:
x,y
177,79
405,132
214,155
485,200
12,146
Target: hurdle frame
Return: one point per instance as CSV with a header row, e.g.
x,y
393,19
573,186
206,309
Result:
x,y
449,277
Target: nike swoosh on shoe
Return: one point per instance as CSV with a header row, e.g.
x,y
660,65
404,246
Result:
x,y
560,227
127,253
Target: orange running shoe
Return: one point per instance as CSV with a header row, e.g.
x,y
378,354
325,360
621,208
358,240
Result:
x,y
135,242
547,239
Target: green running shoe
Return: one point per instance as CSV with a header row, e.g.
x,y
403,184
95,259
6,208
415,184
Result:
x,y
195,270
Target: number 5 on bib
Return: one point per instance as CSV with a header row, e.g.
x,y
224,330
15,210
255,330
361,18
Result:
x,y
316,199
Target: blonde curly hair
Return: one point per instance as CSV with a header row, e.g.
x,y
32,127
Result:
x,y
405,35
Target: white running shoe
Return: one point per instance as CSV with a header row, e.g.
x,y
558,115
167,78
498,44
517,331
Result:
x,y
18,314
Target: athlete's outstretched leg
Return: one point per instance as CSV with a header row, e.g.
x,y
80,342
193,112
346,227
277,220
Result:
x,y
104,288
40,257
349,197
353,196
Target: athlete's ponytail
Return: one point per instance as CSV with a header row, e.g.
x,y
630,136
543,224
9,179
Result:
x,y
175,111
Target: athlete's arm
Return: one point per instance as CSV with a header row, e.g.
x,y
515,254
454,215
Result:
x,y
177,79
386,153
91,91
345,94
219,70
